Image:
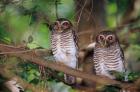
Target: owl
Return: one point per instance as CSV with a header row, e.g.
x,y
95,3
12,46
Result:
x,y
64,45
108,55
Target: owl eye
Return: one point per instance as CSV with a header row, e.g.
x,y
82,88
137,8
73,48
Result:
x,y
101,37
65,24
55,23
110,38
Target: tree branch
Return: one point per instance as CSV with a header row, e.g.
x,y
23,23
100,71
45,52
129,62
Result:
x,y
6,73
59,67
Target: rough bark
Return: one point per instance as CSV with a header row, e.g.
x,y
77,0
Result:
x,y
90,16
34,59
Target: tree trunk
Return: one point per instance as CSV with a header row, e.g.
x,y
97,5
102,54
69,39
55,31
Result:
x,y
90,16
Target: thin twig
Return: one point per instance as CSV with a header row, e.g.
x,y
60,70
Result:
x,y
81,12
15,52
21,50
91,9
56,8
113,28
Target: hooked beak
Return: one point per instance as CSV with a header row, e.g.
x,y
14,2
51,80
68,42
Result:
x,y
104,44
59,29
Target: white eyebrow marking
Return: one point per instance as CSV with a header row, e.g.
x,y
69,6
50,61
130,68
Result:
x,y
57,22
64,22
102,36
109,36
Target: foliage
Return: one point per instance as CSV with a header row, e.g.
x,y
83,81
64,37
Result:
x,y
21,22
111,88
111,13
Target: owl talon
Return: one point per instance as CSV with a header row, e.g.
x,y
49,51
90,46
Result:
x,y
69,79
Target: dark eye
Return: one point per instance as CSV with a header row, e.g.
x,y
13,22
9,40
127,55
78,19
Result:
x,y
55,23
65,24
101,37
110,38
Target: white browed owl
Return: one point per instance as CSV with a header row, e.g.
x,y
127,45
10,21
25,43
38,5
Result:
x,y
64,45
108,55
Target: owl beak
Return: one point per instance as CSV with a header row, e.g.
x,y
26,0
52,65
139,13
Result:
x,y
59,29
105,44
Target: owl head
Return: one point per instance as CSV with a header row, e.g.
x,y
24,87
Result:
x,y
106,38
61,25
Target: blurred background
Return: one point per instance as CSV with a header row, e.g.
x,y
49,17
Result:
x,y
25,22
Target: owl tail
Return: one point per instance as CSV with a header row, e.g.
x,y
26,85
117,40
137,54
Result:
x,y
69,79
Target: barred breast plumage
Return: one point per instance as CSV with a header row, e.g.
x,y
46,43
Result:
x,y
64,46
110,57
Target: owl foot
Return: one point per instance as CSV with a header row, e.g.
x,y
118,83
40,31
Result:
x,y
69,79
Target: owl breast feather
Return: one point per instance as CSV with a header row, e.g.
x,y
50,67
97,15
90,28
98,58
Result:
x,y
63,48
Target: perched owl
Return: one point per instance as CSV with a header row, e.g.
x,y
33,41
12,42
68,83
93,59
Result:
x,y
64,45
108,55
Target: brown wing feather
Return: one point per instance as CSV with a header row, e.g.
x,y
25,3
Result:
x,y
75,37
